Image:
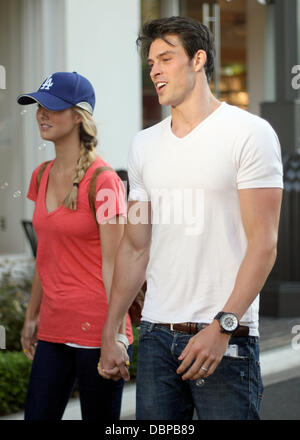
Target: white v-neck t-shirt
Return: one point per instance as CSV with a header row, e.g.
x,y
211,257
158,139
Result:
x,y
198,240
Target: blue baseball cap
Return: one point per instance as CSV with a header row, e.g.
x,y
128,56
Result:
x,y
62,90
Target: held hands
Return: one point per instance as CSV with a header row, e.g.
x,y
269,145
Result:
x,y
114,362
203,353
29,338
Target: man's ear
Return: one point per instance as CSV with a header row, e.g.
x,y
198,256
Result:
x,y
200,58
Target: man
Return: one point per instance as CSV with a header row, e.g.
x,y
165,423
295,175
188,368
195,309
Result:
x,y
198,345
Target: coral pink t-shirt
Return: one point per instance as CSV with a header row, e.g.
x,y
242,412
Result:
x,y
69,262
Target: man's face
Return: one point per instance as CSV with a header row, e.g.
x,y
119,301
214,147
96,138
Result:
x,y
172,71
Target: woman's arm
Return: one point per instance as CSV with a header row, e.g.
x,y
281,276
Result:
x,y
28,334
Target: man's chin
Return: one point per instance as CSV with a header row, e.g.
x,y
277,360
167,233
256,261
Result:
x,y
163,101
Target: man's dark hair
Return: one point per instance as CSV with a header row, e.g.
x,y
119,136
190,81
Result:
x,y
192,34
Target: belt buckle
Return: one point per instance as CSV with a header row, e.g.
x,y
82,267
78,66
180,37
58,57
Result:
x,y
171,327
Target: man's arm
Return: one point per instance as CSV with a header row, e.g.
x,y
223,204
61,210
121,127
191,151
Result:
x,y
129,275
260,211
111,233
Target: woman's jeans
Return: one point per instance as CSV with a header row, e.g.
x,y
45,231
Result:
x,y
54,372
232,392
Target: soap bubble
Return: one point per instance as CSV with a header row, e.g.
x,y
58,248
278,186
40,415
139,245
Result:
x,y
200,382
85,326
42,146
17,194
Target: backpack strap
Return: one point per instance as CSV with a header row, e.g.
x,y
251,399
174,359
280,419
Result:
x,y
92,188
40,173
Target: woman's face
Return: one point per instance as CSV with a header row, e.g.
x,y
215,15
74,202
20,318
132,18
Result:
x,y
55,125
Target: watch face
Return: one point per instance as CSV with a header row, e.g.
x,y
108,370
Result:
x,y
229,322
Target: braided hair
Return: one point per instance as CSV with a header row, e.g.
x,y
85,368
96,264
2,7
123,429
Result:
x,y
88,143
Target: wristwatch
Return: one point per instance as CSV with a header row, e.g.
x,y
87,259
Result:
x,y
229,322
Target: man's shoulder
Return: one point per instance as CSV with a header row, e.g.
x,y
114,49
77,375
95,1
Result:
x,y
246,128
244,120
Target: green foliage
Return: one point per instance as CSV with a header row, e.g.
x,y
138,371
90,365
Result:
x,y
14,365
133,365
14,375
13,299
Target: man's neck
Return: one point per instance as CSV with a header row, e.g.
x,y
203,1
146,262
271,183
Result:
x,y
190,113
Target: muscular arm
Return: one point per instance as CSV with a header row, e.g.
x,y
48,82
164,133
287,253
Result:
x,y
129,275
111,234
260,210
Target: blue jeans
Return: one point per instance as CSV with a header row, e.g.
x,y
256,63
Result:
x,y
232,392
53,374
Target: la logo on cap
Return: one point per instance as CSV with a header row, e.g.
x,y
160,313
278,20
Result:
x,y
47,83
62,90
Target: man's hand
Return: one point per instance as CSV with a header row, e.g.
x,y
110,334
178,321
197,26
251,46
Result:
x,y
205,350
114,361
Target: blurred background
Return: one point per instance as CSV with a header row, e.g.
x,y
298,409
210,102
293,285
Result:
x,y
257,69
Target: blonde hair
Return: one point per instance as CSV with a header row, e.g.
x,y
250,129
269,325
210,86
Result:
x,y
88,143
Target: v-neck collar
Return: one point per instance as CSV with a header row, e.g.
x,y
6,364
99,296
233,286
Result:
x,y
46,174
198,127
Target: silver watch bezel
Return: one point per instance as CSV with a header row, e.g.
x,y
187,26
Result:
x,y
225,326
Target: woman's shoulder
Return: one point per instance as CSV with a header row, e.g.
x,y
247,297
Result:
x,y
42,165
39,170
97,167
36,178
98,163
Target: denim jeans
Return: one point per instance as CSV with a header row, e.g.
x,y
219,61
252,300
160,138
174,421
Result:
x,y
232,392
55,369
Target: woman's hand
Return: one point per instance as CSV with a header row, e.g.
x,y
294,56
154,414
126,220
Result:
x,y
29,338
114,362
29,332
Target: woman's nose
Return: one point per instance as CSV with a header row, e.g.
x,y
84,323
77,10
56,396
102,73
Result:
x,y
44,112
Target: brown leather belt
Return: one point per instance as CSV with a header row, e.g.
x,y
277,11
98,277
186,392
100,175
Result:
x,y
192,328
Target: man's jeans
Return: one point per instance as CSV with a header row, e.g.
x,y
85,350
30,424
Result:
x,y
232,392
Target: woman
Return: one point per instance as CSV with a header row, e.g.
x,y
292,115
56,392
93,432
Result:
x,y
75,258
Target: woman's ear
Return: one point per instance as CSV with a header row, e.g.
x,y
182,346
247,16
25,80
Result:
x,y
77,118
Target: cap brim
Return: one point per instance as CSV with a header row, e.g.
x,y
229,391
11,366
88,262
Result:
x,y
46,100
85,106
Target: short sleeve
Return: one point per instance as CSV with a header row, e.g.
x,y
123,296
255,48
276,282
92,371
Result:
x,y
110,197
32,190
138,191
258,162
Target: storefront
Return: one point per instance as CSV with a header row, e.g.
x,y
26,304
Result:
x,y
97,39
39,37
244,51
